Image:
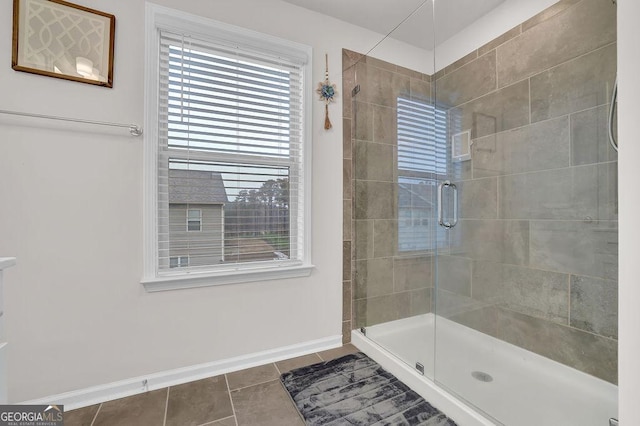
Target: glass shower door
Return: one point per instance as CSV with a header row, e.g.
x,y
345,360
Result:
x,y
526,291
394,189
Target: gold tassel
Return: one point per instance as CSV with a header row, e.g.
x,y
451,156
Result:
x,y
327,122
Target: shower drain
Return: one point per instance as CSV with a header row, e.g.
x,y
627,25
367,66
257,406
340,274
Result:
x,y
482,376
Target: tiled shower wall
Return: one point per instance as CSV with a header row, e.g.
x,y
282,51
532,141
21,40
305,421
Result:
x,y
385,285
533,260
538,201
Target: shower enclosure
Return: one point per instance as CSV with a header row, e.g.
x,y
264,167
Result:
x,y
481,209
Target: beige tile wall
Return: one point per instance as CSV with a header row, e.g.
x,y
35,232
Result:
x,y
534,258
383,285
538,197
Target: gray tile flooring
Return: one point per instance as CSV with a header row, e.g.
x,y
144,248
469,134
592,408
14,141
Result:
x,y
252,397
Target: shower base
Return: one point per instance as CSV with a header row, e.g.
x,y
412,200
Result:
x,y
504,383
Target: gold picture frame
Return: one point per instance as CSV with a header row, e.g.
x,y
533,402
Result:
x,y
63,40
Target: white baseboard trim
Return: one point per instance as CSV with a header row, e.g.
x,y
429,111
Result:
x,y
123,388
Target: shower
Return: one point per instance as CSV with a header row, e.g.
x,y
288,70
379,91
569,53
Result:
x,y
483,213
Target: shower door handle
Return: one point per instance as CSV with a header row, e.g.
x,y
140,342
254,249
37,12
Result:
x,y
612,112
441,220
455,205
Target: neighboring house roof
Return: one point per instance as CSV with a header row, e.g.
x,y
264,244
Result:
x,y
196,187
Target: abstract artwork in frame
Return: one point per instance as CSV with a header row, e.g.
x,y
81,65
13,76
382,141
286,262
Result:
x,y
63,40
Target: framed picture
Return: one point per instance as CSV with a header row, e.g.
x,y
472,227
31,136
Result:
x,y
63,40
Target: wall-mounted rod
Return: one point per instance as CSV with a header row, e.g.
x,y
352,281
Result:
x,y
134,129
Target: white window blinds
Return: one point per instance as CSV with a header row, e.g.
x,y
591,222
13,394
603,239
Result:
x,y
422,138
422,160
230,145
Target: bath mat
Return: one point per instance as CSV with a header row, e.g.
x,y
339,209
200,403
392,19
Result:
x,y
355,390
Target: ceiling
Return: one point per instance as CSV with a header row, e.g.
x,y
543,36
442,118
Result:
x,y
414,18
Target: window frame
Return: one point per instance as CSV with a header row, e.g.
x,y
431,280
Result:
x,y
159,17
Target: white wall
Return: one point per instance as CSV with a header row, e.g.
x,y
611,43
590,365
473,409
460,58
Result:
x,y
629,211
71,212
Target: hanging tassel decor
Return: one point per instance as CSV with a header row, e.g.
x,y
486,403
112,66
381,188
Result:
x,y
327,92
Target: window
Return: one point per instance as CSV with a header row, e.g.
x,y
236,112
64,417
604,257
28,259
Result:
x,y
422,160
194,220
229,151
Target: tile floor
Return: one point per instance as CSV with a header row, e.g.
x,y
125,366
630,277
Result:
x,y
253,397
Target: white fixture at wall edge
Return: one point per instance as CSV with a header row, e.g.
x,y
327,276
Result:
x,y
5,262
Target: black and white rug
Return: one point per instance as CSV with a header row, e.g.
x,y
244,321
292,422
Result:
x,y
355,390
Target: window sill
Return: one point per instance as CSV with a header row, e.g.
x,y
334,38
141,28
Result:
x,y
207,279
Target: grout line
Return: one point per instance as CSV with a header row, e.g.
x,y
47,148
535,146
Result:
x,y
256,384
558,117
531,76
533,267
604,46
570,167
277,369
96,415
166,407
558,324
602,336
219,420
233,408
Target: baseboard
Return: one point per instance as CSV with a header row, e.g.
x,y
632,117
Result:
x,y
123,388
